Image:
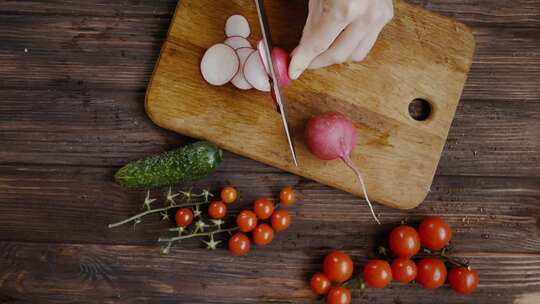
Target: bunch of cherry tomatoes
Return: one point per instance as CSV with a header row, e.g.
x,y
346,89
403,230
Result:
x,y
216,210
252,221
247,221
405,242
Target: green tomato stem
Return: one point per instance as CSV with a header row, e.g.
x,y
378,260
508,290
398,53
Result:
x,y
188,236
140,215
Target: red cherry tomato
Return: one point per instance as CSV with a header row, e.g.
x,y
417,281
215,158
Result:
x,y
246,221
463,280
338,266
228,195
404,241
403,270
183,217
431,273
217,210
263,208
281,220
263,235
377,273
435,233
319,283
239,244
338,295
287,196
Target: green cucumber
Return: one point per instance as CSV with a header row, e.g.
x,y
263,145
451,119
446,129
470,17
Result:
x,y
189,163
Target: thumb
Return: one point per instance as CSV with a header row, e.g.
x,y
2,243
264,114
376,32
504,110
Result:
x,y
313,43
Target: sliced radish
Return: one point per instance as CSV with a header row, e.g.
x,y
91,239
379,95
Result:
x,y
255,74
237,25
260,48
219,64
239,80
237,42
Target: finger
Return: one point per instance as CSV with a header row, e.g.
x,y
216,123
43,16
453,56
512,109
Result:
x,y
315,41
343,47
365,46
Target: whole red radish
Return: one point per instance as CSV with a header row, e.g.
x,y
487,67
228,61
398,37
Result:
x,y
331,136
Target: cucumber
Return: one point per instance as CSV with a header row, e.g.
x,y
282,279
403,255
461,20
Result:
x,y
189,163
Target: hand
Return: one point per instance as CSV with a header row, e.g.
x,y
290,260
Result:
x,y
338,31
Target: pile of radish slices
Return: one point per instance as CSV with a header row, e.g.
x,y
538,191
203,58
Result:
x,y
235,60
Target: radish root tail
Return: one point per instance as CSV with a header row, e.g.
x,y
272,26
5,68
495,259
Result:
x,y
351,165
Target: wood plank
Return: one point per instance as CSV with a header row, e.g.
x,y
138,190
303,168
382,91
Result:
x,y
75,204
502,13
497,74
91,8
493,138
50,273
515,13
93,128
63,53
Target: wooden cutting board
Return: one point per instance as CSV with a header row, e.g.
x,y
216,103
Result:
x,y
419,55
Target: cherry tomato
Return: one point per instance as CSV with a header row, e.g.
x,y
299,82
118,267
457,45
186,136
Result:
x,y
246,221
217,210
404,241
320,283
435,233
338,266
287,196
263,235
263,208
228,195
239,244
338,295
403,270
377,273
431,273
281,220
463,280
184,217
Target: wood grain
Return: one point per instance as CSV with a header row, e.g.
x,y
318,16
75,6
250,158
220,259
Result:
x,y
95,128
114,274
485,212
72,111
415,57
505,68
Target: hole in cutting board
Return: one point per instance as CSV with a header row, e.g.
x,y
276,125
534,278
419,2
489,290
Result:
x,y
420,109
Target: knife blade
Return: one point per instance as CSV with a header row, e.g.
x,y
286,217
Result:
x,y
267,45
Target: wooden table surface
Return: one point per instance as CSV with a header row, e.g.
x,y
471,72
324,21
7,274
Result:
x,y
73,76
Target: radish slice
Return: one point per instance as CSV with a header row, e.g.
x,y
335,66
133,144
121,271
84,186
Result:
x,y
260,48
255,74
239,80
219,64
237,25
237,42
